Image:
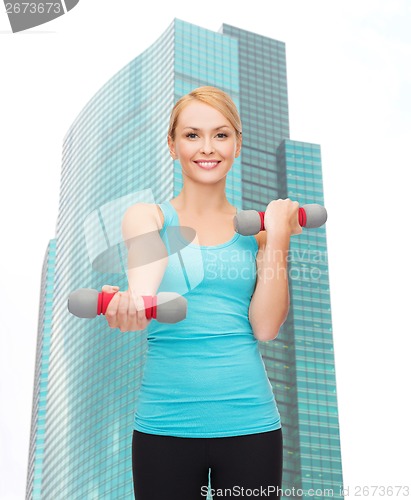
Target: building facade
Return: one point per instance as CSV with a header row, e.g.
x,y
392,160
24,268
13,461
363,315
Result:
x,y
113,156
41,375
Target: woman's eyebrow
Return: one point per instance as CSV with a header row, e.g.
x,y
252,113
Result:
x,y
217,128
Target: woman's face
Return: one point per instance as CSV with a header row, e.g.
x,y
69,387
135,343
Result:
x,y
205,142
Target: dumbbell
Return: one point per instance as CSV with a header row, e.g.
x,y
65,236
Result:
x,y
248,222
166,307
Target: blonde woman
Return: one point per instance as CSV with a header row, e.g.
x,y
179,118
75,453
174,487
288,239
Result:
x,y
205,400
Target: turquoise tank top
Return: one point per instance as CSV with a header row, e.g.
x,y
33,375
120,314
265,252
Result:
x,y
204,376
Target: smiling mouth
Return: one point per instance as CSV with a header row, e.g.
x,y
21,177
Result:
x,y
207,164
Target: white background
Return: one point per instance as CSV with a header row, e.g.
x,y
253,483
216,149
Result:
x,y
349,81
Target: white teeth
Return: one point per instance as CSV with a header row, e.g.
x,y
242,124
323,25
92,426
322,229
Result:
x,y
207,163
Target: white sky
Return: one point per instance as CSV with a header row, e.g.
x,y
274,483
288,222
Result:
x,y
349,81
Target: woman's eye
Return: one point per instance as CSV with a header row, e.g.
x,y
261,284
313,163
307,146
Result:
x,y
191,135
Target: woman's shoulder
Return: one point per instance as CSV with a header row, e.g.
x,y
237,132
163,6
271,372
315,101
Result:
x,y
147,211
157,213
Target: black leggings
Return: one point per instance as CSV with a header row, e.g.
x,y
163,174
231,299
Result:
x,y
176,468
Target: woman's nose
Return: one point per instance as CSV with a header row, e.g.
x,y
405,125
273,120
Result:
x,y
207,146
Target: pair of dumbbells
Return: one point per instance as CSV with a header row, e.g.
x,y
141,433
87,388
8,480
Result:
x,y
170,307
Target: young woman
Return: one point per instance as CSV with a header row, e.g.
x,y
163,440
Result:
x,y
205,400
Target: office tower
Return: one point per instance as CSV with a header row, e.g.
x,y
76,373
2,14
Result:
x,y
38,421
114,154
305,387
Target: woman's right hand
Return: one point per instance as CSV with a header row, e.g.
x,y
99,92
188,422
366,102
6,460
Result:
x,y
125,311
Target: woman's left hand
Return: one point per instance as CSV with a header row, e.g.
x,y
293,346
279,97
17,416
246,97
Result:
x,y
281,217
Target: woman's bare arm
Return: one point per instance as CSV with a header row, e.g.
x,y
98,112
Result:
x,y
147,254
270,302
271,299
147,260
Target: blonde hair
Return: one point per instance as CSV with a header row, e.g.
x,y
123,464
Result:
x,y
212,96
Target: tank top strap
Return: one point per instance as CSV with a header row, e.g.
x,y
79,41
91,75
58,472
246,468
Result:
x,y
169,216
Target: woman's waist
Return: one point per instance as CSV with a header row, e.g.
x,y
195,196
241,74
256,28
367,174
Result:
x,y
207,318
202,345
201,372
241,386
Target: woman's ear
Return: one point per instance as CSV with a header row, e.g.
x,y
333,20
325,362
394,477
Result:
x,y
171,148
239,140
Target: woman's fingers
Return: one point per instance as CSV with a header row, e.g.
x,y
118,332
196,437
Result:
x,y
122,312
111,311
295,225
282,215
110,288
132,314
141,312
125,311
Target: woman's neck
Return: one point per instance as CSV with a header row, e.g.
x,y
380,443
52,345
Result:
x,y
203,201
202,205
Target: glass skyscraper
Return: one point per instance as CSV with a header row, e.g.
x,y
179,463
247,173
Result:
x,y
38,421
115,154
